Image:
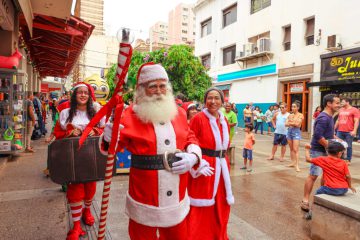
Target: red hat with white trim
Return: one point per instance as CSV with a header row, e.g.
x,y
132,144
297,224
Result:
x,y
91,90
149,72
188,105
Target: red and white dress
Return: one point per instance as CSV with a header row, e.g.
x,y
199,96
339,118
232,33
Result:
x,y
81,192
157,200
210,197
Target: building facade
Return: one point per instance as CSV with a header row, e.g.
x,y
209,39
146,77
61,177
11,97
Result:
x,y
158,33
92,11
181,25
266,52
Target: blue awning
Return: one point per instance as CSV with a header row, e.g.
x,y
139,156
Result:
x,y
246,73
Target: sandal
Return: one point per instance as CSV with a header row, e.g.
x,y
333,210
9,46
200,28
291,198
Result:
x,y
87,217
305,206
243,168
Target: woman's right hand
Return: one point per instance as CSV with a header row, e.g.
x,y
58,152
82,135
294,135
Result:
x,y
76,132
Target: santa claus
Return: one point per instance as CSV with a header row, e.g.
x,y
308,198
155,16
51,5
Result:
x,y
155,130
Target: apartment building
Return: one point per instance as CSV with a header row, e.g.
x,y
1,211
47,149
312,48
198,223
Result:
x,y
265,51
159,33
181,24
92,11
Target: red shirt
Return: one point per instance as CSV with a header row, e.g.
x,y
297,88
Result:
x,y
334,171
346,119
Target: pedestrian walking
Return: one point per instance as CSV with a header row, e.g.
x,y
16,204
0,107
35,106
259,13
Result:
x,y
211,197
280,133
231,118
268,116
260,122
248,115
255,113
347,124
317,112
323,131
30,121
248,147
293,122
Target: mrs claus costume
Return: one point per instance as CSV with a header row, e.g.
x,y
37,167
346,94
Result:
x,y
210,196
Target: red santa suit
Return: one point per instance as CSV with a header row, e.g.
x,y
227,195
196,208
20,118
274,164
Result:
x,y
157,199
210,196
80,193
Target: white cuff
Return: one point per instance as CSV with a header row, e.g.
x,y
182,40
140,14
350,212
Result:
x,y
193,148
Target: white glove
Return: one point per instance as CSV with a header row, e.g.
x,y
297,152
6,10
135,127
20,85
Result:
x,y
188,160
207,171
108,131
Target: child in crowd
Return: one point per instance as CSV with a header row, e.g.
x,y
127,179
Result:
x,y
248,146
336,174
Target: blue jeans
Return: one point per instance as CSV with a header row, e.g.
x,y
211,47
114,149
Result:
x,y
331,191
348,139
316,170
259,124
247,120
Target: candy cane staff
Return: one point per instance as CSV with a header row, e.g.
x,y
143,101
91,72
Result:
x,y
73,121
153,130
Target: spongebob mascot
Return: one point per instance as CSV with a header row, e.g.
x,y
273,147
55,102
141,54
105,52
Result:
x,y
100,86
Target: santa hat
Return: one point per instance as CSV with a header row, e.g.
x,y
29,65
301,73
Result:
x,y
91,90
188,105
149,72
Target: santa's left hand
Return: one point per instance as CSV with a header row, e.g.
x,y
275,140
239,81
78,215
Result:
x,y
188,160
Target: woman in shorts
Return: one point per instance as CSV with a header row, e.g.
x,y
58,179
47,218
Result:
x,y
293,122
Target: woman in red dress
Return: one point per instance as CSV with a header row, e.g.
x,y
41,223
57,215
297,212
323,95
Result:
x,y
72,122
210,187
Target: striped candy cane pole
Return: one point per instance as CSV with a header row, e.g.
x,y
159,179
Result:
x,y
124,59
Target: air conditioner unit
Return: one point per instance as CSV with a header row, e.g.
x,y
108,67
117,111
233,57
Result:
x,y
263,44
240,54
248,49
333,43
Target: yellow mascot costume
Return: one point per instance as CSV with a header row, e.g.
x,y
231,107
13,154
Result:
x,y
101,88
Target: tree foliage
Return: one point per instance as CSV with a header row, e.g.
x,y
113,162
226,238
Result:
x,y
186,73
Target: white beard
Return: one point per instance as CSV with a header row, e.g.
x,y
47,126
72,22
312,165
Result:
x,y
155,109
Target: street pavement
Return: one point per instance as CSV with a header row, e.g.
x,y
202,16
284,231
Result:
x,y
266,200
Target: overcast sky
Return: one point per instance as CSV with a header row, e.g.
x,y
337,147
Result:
x,y
137,14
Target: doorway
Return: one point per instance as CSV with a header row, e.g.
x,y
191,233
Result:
x,y
297,91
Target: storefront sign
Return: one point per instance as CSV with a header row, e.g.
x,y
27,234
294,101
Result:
x,y
44,88
54,89
298,70
296,87
345,65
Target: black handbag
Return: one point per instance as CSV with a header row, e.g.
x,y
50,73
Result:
x,y
69,164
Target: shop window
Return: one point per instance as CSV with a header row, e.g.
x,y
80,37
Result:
x,y
287,38
309,34
206,28
229,55
229,15
206,61
257,5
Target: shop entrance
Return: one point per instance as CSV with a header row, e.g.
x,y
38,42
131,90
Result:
x,y
297,91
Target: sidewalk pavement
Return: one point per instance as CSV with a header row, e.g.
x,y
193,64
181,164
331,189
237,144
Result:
x,y
266,200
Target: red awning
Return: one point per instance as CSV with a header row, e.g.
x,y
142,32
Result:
x,y
44,88
56,43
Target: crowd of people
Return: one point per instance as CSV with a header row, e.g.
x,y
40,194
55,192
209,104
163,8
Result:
x,y
191,198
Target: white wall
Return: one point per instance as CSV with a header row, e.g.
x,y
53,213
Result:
x,y
257,90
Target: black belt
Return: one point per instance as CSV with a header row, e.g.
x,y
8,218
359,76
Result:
x,y
213,153
154,162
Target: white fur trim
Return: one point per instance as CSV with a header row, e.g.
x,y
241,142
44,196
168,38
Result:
x,y
226,176
221,164
167,181
102,151
193,148
201,202
79,85
157,216
152,72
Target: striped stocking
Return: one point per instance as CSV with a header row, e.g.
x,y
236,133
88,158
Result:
x,y
76,210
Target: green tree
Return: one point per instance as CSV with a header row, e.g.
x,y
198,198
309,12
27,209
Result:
x,y
186,73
